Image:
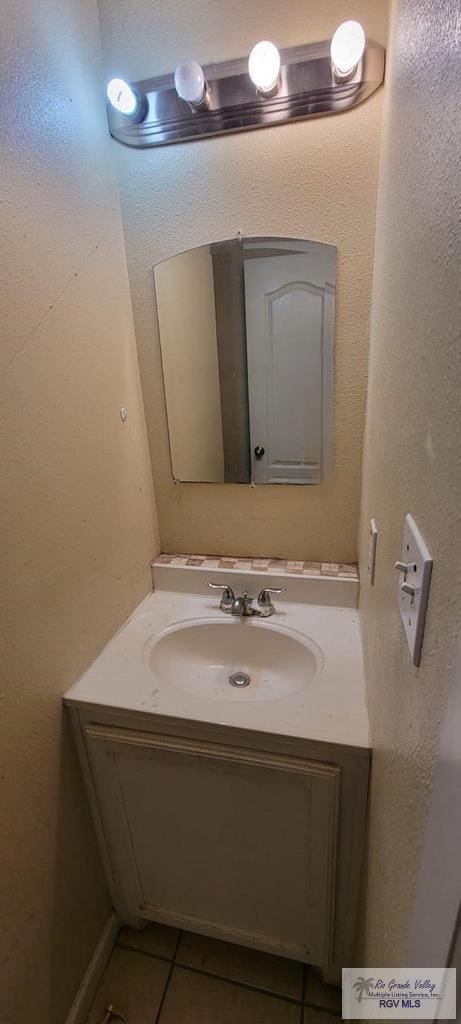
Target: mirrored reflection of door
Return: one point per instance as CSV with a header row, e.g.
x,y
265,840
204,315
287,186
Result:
x,y
246,334
289,311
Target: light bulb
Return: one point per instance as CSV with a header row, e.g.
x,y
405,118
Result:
x,y
347,47
122,97
189,82
264,66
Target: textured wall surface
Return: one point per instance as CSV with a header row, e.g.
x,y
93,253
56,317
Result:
x,y
76,505
413,447
315,180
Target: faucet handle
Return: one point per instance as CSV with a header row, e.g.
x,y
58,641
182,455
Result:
x,y
264,600
228,596
270,590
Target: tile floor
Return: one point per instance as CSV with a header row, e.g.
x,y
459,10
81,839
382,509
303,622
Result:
x,y
164,976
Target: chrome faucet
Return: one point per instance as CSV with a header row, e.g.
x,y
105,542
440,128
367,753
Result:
x,y
246,606
243,606
228,596
264,603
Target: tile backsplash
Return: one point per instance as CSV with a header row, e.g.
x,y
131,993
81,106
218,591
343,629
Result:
x,y
261,565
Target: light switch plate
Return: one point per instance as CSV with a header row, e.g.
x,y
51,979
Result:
x,y
413,586
372,541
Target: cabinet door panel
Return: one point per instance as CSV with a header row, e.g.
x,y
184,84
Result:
x,y
223,839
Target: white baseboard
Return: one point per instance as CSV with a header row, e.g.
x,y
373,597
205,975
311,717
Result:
x,y
81,1005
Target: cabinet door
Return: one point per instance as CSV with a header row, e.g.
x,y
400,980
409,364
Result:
x,y
222,840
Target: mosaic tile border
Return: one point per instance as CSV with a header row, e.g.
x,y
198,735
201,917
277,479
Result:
x,y
261,565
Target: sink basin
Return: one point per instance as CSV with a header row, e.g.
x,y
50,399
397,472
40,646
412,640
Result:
x,y
230,660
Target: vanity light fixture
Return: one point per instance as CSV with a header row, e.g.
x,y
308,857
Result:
x,y
125,99
190,84
300,82
264,67
347,46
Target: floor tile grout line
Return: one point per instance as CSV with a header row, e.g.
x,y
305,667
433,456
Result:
x,y
198,970
167,983
240,984
318,1006
220,977
145,952
178,943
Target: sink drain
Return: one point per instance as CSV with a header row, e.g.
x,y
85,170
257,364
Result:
x,y
239,679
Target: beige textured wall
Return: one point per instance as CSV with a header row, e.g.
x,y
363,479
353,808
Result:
x,y
413,447
314,179
76,506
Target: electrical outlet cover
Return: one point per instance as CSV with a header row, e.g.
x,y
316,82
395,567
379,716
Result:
x,y
412,600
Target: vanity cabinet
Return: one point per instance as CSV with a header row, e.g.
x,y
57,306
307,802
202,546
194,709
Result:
x,y
238,840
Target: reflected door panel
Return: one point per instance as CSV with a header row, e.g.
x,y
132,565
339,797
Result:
x,y
287,316
246,335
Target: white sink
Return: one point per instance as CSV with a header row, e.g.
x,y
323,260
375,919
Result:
x,y
246,660
173,658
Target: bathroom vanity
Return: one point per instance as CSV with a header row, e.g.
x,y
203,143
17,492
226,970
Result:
x,y
235,811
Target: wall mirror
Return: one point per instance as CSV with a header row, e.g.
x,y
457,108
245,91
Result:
x,y
246,334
